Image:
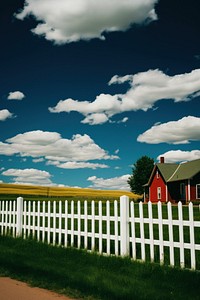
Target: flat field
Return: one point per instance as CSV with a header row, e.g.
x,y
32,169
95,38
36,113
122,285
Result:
x,y
20,190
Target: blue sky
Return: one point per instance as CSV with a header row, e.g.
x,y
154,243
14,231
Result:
x,y
88,87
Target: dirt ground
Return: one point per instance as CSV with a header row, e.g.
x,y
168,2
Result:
x,y
16,290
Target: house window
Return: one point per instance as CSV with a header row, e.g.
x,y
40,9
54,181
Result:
x,y
157,175
182,191
159,193
198,191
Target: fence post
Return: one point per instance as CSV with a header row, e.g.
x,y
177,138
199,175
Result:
x,y
124,225
19,216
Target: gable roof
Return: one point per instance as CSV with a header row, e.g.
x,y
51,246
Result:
x,y
186,171
175,172
166,170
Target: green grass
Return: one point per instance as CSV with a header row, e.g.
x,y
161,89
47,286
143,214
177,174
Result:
x,y
91,276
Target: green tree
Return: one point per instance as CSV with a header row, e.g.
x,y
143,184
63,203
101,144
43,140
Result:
x,y
140,174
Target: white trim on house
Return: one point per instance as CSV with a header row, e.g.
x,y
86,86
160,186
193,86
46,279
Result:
x,y
197,196
159,195
189,191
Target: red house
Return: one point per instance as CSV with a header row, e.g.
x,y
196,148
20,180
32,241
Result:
x,y
174,182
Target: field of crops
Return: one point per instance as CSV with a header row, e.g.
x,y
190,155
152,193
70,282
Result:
x,y
20,190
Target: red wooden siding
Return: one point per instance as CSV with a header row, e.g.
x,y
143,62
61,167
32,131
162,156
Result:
x,y
157,182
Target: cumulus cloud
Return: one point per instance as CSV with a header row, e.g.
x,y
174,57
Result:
x,y
65,21
16,96
146,88
38,160
174,132
116,183
78,165
174,156
29,176
5,114
52,147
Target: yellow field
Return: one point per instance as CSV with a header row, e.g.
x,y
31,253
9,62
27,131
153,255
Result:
x,y
19,190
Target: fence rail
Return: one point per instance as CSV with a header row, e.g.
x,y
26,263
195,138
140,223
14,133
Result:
x,y
156,233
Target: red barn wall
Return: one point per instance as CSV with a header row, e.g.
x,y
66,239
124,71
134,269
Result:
x,y
157,182
193,193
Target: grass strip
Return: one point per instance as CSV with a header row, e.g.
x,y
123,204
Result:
x,y
90,276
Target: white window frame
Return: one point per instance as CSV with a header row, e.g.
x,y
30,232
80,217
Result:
x,y
159,193
157,174
197,187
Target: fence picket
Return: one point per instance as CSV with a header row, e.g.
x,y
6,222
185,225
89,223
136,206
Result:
x,y
2,218
66,223
14,218
116,227
43,220
6,218
124,226
54,222
1,215
60,224
72,224
100,228
160,230
38,220
49,223
108,227
79,223
19,216
33,219
133,235
85,224
192,241
171,239
93,226
142,231
25,218
181,235
150,214
10,215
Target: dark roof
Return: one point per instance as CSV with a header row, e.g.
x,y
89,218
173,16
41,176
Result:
x,y
167,170
175,172
186,170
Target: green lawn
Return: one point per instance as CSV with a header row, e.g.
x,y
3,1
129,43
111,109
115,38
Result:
x,y
91,276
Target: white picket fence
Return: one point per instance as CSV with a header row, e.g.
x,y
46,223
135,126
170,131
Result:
x,y
120,228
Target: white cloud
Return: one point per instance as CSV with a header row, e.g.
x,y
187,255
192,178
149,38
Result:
x,y
95,119
124,120
116,183
52,147
29,176
174,156
38,160
145,90
65,21
174,132
78,165
5,114
16,96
